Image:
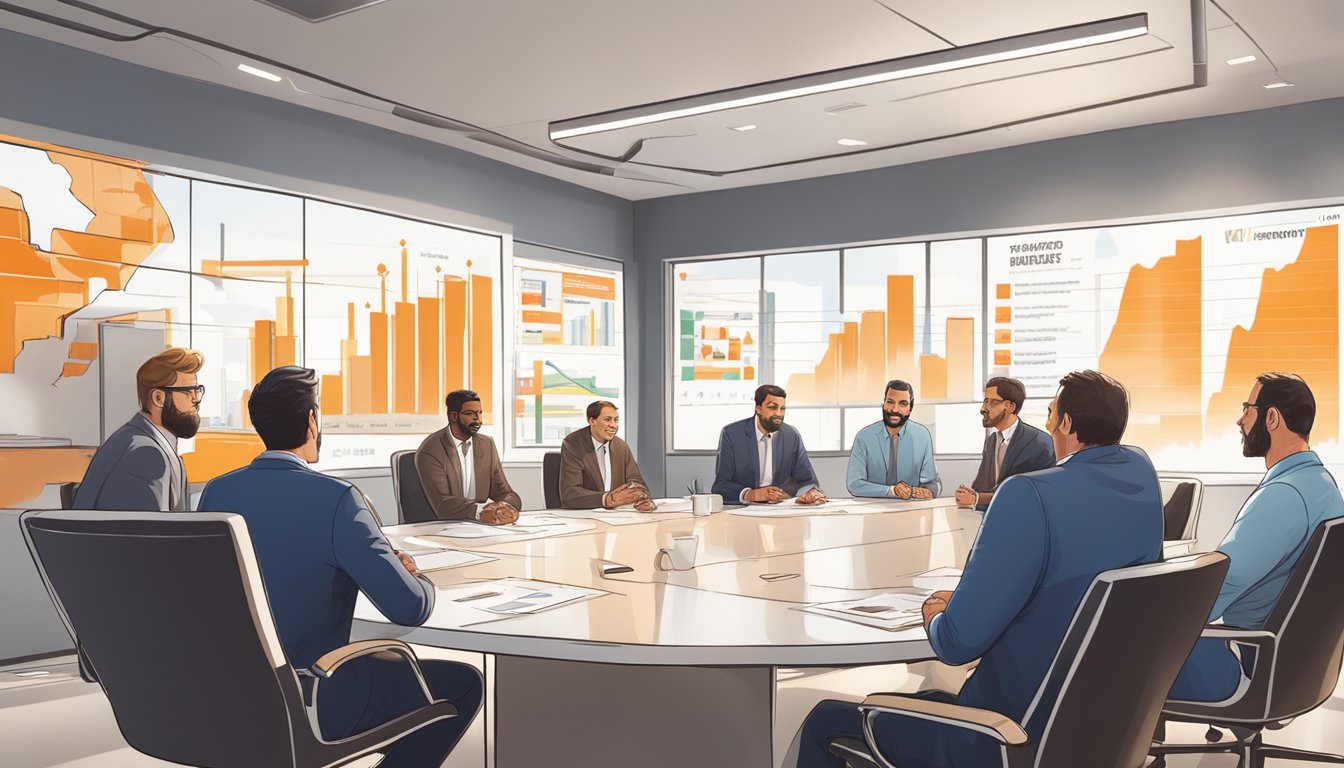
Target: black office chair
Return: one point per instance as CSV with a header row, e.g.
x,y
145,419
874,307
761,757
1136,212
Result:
x,y
1297,660
550,479
1099,702
412,503
1181,500
172,611
68,491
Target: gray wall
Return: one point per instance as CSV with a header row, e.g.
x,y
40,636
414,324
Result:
x,y
1271,156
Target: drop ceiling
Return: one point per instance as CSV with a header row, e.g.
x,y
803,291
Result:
x,y
490,77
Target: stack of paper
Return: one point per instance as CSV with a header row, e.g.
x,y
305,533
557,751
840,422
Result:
x,y
668,509
515,596
447,558
893,610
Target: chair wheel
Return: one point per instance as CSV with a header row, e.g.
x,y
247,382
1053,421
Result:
x,y
1213,734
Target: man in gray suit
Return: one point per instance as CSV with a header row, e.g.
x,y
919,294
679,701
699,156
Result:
x,y
137,468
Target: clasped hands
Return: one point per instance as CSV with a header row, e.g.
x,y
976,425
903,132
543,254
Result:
x,y
773,494
498,513
630,493
904,490
967,496
935,604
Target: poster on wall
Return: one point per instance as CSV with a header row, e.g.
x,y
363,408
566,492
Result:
x,y
568,348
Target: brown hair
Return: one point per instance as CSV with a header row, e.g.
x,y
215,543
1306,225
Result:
x,y
161,371
1097,404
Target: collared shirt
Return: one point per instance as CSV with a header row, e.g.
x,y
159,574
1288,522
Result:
x,y
468,464
765,459
179,497
1269,535
870,457
1007,434
283,455
603,451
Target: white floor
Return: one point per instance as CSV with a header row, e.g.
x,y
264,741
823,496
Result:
x,y
50,718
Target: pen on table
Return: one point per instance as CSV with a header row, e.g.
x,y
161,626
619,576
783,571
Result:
x,y
477,596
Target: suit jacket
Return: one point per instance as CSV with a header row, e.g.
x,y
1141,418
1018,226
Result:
x,y
1029,450
1046,535
317,545
136,469
440,468
738,465
866,474
580,475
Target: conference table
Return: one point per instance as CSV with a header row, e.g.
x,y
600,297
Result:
x,y
672,667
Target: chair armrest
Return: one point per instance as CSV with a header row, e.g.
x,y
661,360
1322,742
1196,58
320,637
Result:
x,y
999,727
1248,702
332,660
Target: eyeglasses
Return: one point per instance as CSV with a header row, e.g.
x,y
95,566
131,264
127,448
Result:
x,y
1247,406
991,401
197,391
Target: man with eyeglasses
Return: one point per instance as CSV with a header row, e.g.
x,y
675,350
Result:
x,y
460,469
894,457
137,468
1012,448
1270,532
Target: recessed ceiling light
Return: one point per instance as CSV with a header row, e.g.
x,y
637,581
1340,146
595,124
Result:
x,y
263,74
852,143
1279,84
744,128
1241,60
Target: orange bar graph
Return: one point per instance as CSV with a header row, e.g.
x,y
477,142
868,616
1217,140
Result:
x,y
483,343
378,362
403,358
428,338
262,333
872,353
933,377
454,334
361,384
900,325
331,394
961,384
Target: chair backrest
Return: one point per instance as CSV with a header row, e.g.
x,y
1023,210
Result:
x,y
171,612
1099,703
1308,619
1181,497
68,491
550,479
412,503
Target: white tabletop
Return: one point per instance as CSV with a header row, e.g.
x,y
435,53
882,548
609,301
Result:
x,y
721,611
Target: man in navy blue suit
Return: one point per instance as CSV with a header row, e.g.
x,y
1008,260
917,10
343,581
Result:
x,y
762,460
1046,535
318,544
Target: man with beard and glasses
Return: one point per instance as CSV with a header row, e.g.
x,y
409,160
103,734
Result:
x,y
1270,532
460,469
1012,448
762,460
137,468
894,457
318,545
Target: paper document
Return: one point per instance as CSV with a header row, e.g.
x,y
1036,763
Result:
x,y
447,558
462,529
938,579
791,508
515,596
893,610
627,515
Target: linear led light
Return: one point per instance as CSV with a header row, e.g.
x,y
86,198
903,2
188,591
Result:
x,y
946,60
1278,84
1241,60
263,74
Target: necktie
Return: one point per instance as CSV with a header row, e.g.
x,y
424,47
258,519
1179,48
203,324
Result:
x,y
892,478
605,464
468,479
767,462
998,457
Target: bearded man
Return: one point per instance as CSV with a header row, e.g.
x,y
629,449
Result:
x,y
894,457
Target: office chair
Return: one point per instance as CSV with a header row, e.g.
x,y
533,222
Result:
x,y
550,479
1297,660
172,611
68,491
1181,500
1100,699
412,503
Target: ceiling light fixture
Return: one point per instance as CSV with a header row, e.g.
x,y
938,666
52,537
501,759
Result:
x,y
1241,60
1279,84
744,128
263,74
946,60
852,143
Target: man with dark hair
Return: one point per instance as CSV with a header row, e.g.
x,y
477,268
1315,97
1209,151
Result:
x,y
460,469
598,469
317,544
1012,448
1046,535
137,468
762,460
894,456
1270,532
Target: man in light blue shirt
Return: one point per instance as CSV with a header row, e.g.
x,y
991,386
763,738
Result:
x,y
1296,495
894,457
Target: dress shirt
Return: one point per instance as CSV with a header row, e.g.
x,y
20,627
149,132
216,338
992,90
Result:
x,y
1005,437
603,451
870,460
766,460
465,450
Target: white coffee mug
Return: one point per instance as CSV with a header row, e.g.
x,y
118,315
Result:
x,y
702,504
680,556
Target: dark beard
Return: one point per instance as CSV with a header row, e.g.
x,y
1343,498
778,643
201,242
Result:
x,y
1255,443
183,424
768,425
896,417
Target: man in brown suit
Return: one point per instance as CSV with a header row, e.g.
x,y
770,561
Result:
x,y
465,490
597,468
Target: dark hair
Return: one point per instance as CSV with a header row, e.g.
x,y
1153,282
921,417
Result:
x,y
768,390
458,398
1097,405
1289,393
279,406
595,408
1011,390
901,386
